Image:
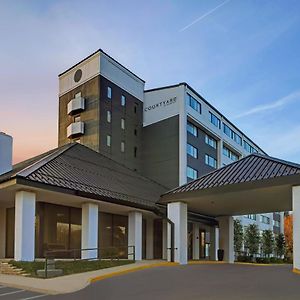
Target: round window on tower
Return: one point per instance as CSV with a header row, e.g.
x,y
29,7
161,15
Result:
x,y
78,75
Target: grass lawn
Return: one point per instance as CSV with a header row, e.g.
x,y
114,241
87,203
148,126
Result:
x,y
70,267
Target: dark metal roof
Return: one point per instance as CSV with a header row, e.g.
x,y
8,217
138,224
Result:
x,y
252,168
84,172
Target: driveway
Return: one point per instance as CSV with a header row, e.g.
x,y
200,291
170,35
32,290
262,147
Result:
x,y
209,282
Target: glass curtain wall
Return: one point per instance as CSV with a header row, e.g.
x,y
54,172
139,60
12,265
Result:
x,y
112,235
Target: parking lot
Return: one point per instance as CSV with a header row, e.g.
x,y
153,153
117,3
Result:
x,y
8,293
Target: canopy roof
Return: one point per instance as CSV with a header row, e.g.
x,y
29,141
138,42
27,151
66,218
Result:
x,y
255,184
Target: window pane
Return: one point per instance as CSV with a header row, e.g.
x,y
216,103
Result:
x,y
123,123
123,100
108,116
192,151
192,129
108,140
109,93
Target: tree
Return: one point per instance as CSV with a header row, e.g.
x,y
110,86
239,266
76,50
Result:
x,y
280,245
288,233
238,236
252,239
267,242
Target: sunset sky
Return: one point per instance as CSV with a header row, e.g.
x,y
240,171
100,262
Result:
x,y
241,55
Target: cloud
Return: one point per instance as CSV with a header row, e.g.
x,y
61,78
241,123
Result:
x,y
271,106
203,16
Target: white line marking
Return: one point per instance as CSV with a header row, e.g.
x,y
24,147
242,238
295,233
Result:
x,y
34,297
10,293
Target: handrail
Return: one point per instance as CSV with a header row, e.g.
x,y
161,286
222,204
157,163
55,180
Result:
x,y
50,254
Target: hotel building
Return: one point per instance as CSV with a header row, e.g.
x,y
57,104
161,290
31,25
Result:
x,y
120,149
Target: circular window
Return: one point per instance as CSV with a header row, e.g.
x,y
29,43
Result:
x,y
77,75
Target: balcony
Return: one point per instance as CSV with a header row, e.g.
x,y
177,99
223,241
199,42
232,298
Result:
x,y
76,105
75,129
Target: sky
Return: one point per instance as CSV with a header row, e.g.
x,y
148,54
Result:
x,y
241,55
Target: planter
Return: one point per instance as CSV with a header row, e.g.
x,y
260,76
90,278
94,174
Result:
x,y
220,254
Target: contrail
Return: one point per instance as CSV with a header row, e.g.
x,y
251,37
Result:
x,y
203,16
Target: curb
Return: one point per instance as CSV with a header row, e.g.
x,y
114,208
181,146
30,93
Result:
x,y
206,262
296,271
258,265
123,272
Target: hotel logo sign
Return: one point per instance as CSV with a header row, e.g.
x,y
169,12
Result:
x,y
161,104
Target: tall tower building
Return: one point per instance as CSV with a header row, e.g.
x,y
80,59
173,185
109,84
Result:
x,y
101,106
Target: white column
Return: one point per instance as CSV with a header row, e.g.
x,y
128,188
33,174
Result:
x,y
177,213
227,238
196,241
2,232
149,238
135,229
89,230
24,226
164,240
296,226
214,242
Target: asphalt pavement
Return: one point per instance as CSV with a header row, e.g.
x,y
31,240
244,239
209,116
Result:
x,y
209,282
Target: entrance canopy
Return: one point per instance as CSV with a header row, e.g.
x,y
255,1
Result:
x,y
255,184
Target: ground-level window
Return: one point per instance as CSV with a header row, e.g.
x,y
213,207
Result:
x,y
113,232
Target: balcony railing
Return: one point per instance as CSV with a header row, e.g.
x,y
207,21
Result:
x,y
75,129
76,105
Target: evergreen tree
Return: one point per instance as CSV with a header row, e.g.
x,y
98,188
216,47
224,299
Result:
x,y
280,245
252,239
238,236
267,242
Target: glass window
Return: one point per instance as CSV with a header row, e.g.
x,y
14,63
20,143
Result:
x,y
210,161
135,151
232,134
123,100
75,228
109,92
194,104
108,117
192,173
10,232
251,217
264,219
249,148
192,129
113,235
122,146
276,223
210,141
123,123
215,120
227,152
192,151
108,140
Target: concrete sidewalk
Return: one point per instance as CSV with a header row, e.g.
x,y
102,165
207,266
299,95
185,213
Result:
x,y
72,283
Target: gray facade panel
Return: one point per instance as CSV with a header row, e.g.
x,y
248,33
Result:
x,y
132,113
203,148
161,152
